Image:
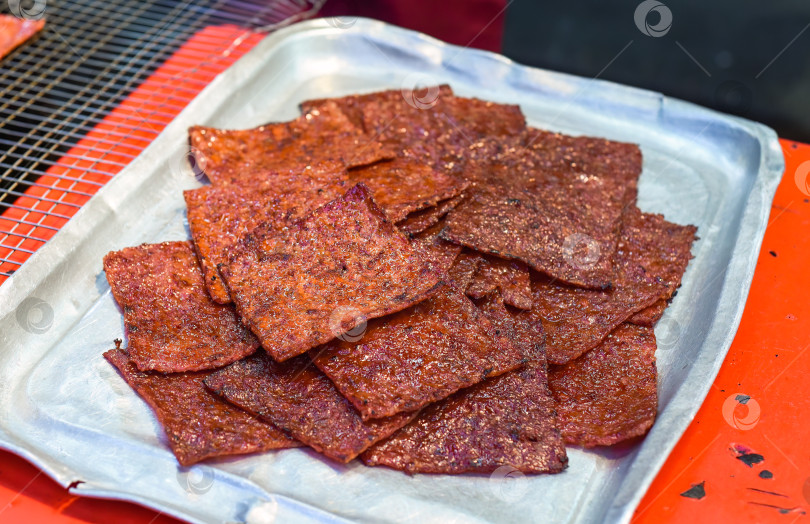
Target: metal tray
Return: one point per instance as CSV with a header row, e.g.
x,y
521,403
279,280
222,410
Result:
x,y
66,410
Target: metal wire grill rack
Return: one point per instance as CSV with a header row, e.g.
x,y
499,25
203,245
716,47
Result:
x,y
75,107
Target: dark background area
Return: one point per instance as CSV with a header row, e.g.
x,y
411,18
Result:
x,y
743,57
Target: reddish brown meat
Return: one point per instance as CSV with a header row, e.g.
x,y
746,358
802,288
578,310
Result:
x,y
418,221
171,322
504,421
509,277
404,185
556,205
650,316
463,270
608,394
220,216
325,274
404,362
434,127
651,259
298,398
440,253
198,424
324,134
14,31
353,105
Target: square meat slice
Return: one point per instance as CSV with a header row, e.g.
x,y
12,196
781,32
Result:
x,y
402,185
650,261
510,277
557,208
418,221
14,31
220,216
405,361
502,422
609,394
325,274
433,126
298,398
353,105
198,424
171,322
322,135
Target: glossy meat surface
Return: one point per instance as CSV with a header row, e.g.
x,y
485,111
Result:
x,y
298,398
650,316
221,216
420,355
557,208
403,185
14,31
509,277
198,424
650,261
322,135
171,322
503,421
608,394
326,274
418,221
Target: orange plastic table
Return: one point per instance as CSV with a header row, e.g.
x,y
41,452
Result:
x,y
767,362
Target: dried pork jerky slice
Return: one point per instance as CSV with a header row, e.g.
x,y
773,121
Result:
x,y
404,185
172,323
325,274
510,277
608,394
324,134
436,128
15,31
220,216
650,261
650,316
404,362
558,208
353,105
198,424
298,398
419,221
503,421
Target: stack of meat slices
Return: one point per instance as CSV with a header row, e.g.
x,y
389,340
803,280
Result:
x,y
415,279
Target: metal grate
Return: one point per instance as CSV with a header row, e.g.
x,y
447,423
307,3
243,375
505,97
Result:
x,y
80,100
